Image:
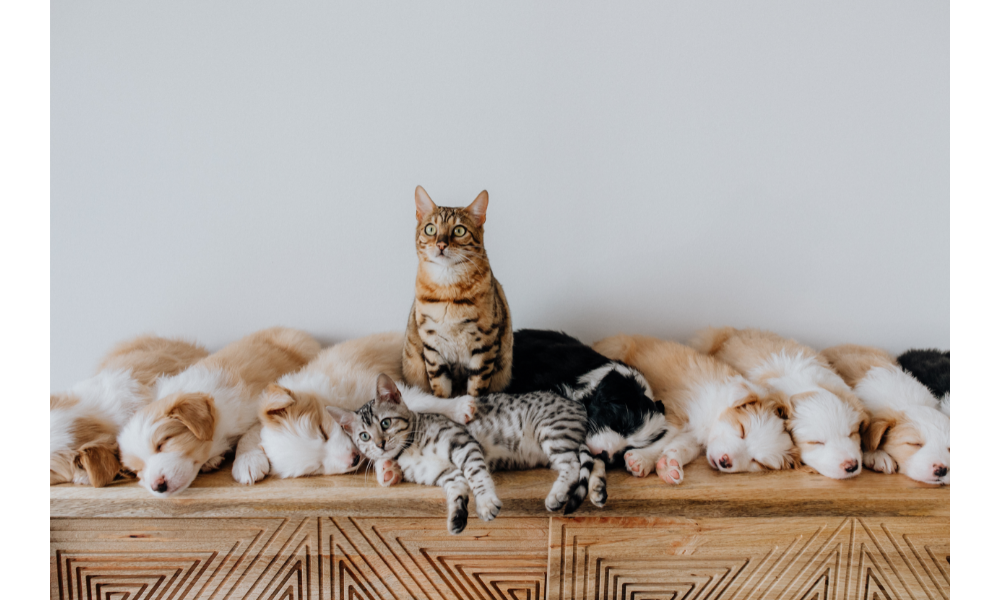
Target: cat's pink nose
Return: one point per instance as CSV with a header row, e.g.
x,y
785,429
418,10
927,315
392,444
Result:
x,y
442,245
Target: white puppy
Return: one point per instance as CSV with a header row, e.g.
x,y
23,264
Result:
x,y
199,414
908,433
824,417
300,437
84,422
709,406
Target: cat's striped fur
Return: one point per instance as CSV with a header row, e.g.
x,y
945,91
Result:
x,y
459,337
510,432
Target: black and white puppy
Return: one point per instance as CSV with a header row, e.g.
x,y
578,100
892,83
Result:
x,y
620,407
933,369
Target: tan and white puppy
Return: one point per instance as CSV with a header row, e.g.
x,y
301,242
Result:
x,y
908,433
84,421
300,437
709,407
198,415
824,417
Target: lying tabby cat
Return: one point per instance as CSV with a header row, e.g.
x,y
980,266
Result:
x,y
510,432
459,336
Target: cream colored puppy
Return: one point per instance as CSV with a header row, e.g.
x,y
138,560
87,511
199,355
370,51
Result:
x,y
907,433
84,422
198,415
824,417
300,437
709,406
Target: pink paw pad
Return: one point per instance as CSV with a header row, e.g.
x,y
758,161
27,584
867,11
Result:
x,y
669,470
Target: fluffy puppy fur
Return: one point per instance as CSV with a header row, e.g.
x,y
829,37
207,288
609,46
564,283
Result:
x,y
907,432
709,406
300,437
824,417
933,369
198,415
84,421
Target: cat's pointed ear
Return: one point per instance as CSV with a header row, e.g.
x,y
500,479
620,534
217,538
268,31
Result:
x,y
345,418
425,205
386,390
478,208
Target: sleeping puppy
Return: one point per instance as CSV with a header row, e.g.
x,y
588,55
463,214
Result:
x,y
824,417
198,415
622,412
933,369
907,432
709,407
299,437
84,422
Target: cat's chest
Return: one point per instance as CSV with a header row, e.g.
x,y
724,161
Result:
x,y
424,465
451,336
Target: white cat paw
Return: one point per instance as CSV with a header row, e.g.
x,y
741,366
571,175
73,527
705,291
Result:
x,y
670,469
212,464
637,464
557,498
464,410
879,460
488,507
388,472
250,467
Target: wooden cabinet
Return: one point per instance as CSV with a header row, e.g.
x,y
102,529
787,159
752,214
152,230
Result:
x,y
770,535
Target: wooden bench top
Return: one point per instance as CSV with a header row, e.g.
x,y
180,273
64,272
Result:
x,y
704,493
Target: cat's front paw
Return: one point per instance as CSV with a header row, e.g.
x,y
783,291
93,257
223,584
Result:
x,y
464,410
670,469
598,491
488,506
250,467
213,463
637,464
879,460
557,498
388,472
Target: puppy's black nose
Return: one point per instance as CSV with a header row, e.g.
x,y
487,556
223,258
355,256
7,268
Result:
x,y
724,462
940,471
357,459
161,486
851,466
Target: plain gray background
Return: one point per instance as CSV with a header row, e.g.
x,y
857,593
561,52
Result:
x,y
652,167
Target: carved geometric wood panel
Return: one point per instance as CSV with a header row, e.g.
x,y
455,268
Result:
x,y
752,558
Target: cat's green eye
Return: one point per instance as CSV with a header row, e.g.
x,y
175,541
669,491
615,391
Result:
x,y
386,423
430,229
458,231
364,436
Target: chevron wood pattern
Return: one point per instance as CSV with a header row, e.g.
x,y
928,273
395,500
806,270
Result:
x,y
749,558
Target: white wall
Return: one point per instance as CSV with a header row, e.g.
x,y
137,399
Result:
x,y
652,167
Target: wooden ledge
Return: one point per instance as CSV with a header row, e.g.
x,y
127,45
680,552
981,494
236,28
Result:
x,y
704,493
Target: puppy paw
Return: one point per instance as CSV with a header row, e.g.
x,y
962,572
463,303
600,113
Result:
x,y
488,507
637,464
212,464
879,460
388,472
465,410
250,467
670,470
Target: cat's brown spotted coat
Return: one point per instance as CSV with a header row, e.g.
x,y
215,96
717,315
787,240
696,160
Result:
x,y
459,337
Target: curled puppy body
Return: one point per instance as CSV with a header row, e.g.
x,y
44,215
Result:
x,y
907,432
84,421
623,416
933,369
198,415
298,435
709,406
510,432
824,417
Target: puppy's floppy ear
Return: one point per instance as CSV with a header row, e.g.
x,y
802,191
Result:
x,y
345,418
197,413
100,461
749,400
274,403
478,208
873,435
779,403
386,390
425,205
792,459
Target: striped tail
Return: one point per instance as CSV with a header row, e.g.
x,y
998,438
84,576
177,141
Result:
x,y
579,492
